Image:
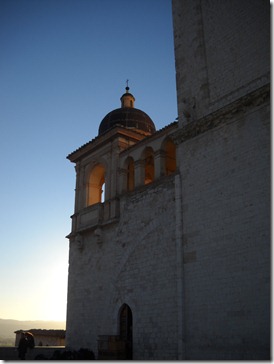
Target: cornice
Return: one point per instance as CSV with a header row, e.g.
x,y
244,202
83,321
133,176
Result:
x,y
103,139
149,138
223,115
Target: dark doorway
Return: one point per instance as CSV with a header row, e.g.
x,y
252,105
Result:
x,y
126,329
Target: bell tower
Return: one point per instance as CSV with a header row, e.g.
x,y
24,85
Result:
x,y
100,178
118,180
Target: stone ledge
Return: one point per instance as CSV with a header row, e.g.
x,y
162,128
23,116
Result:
x,y
223,115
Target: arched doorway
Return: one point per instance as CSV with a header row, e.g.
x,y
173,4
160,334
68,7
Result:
x,y
126,329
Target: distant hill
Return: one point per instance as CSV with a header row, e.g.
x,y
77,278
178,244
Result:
x,y
7,327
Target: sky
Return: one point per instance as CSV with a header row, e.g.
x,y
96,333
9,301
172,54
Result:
x,y
63,67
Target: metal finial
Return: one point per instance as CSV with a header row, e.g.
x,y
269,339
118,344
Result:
x,y
127,88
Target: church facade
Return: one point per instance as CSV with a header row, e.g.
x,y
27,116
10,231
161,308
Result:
x,y
170,243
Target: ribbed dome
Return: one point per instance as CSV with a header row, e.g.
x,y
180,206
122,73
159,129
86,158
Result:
x,y
127,116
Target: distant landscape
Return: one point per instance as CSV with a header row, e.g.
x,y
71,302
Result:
x,y
7,328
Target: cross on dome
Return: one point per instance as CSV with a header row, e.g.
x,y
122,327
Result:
x,y
127,88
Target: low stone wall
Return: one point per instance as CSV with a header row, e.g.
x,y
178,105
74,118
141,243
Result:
x,y
11,353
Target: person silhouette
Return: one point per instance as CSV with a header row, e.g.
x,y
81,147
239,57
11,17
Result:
x,y
22,346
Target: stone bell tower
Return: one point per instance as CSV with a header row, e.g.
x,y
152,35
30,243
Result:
x,y
99,177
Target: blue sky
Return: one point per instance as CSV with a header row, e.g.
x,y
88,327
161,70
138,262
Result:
x,y
63,67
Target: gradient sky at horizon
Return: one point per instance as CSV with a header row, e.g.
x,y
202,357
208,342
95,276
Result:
x,y
63,67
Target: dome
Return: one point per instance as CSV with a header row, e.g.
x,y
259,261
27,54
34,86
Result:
x,y
127,116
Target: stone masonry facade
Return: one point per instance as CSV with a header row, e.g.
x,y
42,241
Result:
x,y
126,266
223,146
185,248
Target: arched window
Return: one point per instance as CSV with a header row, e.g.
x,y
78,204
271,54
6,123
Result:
x,y
130,174
96,185
170,157
149,165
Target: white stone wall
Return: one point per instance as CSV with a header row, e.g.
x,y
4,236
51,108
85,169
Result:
x,y
226,237
237,47
134,264
222,52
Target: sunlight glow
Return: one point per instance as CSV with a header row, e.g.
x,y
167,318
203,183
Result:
x,y
55,298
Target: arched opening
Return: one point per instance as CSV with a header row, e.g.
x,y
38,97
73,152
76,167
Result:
x,y
125,321
170,157
149,165
130,184
96,185
103,192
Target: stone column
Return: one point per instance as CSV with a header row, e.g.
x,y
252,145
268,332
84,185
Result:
x,y
122,175
80,189
139,172
159,163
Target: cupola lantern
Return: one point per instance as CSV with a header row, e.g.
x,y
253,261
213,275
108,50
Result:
x,y
127,99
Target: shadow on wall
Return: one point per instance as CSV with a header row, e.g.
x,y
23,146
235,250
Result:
x,y
81,354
